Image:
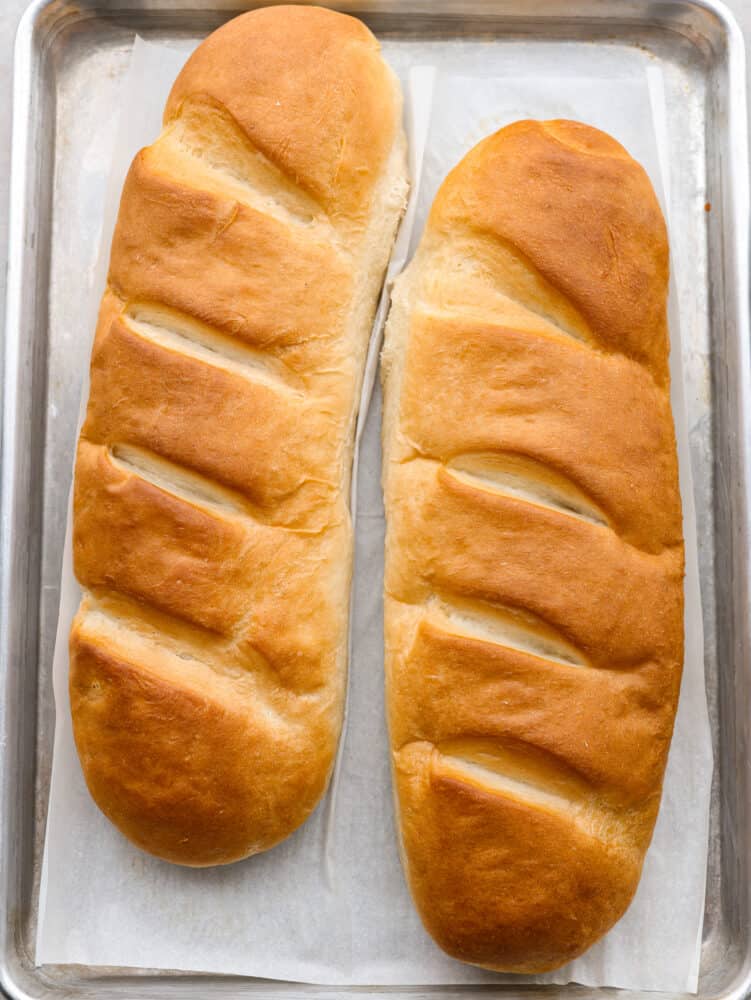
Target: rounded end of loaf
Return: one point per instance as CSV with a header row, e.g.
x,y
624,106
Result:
x,y
503,878
575,224
173,757
332,141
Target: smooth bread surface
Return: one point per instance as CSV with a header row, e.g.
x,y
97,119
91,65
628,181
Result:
x,y
534,558
212,532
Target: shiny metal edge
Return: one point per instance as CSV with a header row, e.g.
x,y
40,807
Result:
x,y
16,770
736,192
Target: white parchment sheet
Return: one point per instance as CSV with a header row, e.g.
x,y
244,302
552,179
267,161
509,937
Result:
x,y
330,905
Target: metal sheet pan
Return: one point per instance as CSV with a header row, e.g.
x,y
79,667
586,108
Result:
x,y
69,56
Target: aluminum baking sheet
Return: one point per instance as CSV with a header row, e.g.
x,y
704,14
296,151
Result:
x,y
102,902
70,60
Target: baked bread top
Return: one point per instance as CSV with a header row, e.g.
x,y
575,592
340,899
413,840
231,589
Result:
x,y
534,559
212,533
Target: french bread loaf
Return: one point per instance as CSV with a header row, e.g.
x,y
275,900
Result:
x,y
212,534
534,555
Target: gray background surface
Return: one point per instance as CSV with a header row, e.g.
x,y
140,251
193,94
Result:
x,y
10,14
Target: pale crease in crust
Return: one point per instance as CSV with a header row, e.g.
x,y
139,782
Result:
x,y
528,480
504,628
211,530
523,828
179,333
181,483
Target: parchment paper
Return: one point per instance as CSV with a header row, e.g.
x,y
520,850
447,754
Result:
x,y
330,905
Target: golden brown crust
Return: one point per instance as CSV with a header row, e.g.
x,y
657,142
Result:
x,y
549,182
170,759
211,526
165,226
275,66
478,899
534,557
